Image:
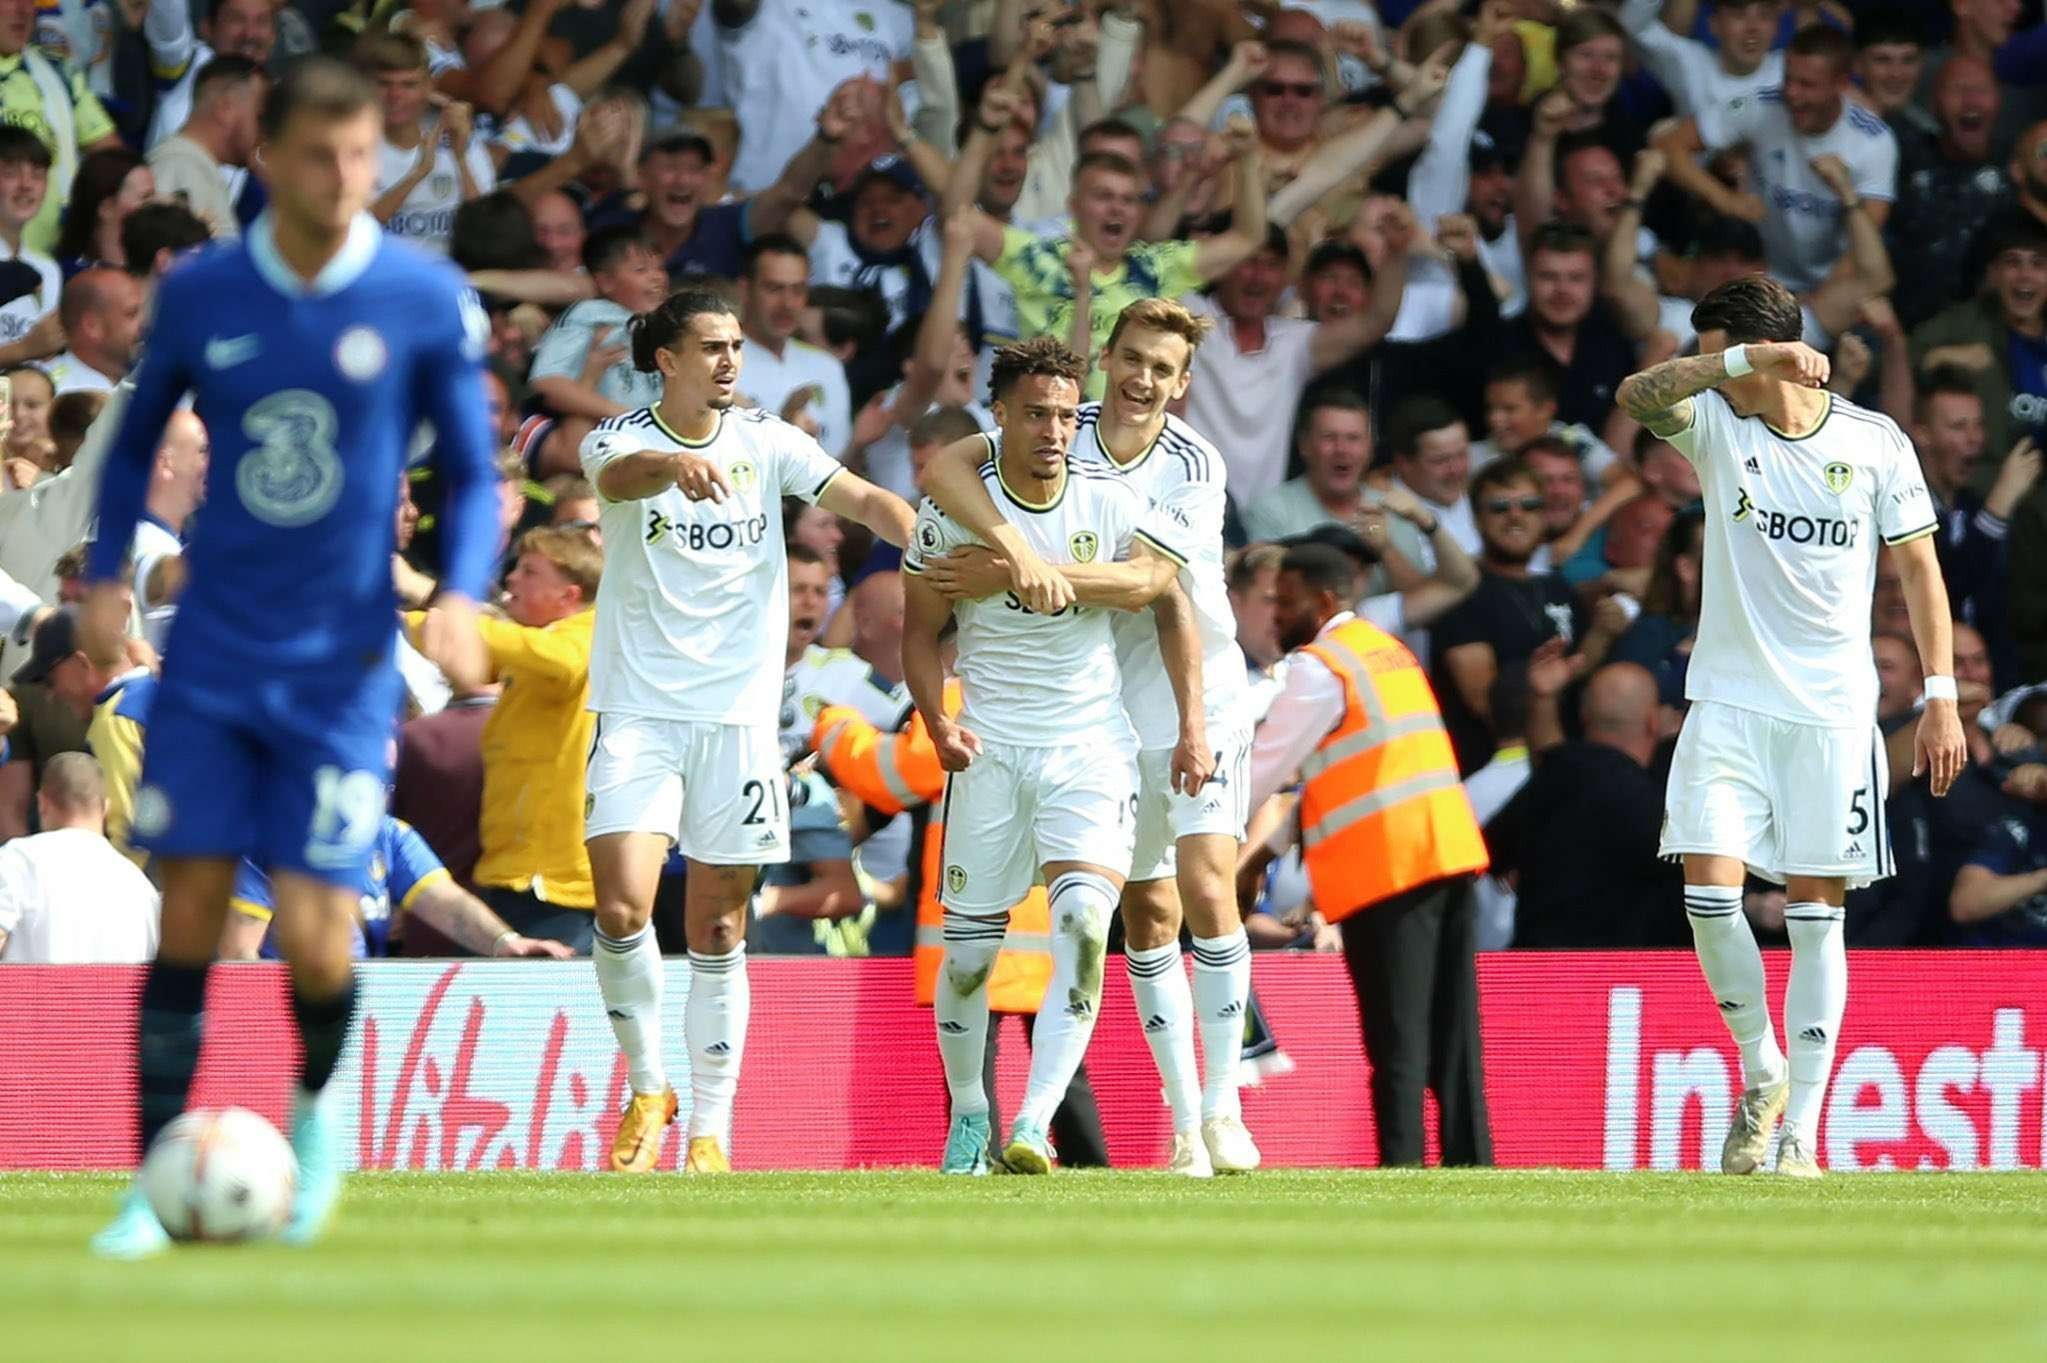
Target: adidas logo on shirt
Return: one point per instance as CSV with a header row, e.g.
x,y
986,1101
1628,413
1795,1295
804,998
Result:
x,y
1753,465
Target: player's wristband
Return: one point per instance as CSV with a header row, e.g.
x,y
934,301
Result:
x,y
1939,688
499,945
1735,357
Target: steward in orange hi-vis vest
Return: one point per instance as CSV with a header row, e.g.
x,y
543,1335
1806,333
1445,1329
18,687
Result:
x,y
1391,847
1382,808
894,772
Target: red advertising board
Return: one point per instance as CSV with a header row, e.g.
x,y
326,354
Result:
x,y
1593,1060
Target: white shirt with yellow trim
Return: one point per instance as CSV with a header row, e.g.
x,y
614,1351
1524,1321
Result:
x,y
1791,536
693,610
1182,476
1037,681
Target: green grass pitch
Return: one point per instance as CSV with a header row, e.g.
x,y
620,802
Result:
x,y
1118,1267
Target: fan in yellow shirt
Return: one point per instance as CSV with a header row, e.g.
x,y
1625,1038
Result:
x,y
534,871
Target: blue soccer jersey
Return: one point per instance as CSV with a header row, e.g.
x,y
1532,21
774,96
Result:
x,y
400,869
270,737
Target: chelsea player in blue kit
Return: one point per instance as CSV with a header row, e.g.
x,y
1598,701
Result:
x,y
312,350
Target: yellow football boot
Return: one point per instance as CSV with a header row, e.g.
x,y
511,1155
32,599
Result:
x,y
642,1130
705,1156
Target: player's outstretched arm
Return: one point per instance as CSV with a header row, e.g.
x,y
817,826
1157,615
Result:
x,y
1180,647
648,473
1940,748
880,510
953,481
925,614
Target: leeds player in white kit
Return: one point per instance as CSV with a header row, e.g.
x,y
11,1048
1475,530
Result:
x,y
1187,846
1779,767
1043,761
686,680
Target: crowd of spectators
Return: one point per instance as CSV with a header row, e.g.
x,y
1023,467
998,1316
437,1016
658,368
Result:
x,y
1434,238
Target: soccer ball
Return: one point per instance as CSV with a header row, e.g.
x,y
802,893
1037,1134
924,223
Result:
x,y
225,1175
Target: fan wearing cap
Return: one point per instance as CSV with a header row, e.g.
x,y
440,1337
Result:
x,y
887,242
53,693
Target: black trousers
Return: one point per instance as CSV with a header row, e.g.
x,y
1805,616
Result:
x,y
1411,964
532,917
1076,1123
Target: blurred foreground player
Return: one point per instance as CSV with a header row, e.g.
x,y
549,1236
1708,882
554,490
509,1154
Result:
x,y
313,349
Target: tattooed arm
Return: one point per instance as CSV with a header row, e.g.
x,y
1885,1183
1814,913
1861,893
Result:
x,y
1660,397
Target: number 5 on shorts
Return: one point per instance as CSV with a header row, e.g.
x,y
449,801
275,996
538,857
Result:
x,y
1859,807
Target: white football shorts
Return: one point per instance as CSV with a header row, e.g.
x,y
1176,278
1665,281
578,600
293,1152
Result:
x,y
1789,799
1164,815
716,790
1016,809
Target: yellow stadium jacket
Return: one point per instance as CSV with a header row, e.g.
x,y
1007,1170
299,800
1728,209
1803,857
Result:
x,y
536,744
115,737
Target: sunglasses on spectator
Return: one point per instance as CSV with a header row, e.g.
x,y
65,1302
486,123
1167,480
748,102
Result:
x,y
1298,89
1500,506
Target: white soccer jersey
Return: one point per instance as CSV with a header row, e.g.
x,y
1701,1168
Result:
x,y
1181,475
835,676
427,217
1791,543
19,314
1687,68
1801,227
1032,681
784,63
693,611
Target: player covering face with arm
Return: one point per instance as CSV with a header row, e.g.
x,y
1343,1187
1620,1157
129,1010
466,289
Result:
x,y
685,677
1187,842
1779,766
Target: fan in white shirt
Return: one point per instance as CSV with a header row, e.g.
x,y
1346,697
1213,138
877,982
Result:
x,y
1699,77
798,381
428,165
102,314
176,486
782,60
1813,114
66,896
685,675
1780,768
242,28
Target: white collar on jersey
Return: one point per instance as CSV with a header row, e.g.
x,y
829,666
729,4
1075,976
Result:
x,y
344,269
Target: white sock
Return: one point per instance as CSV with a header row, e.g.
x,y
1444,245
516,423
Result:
x,y
1734,972
714,1025
629,978
1222,996
1165,1007
1081,903
959,1006
1814,1000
